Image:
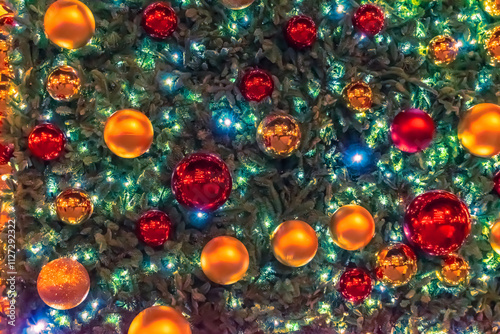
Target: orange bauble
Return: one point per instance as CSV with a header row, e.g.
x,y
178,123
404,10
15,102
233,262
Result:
x,y
69,24
224,260
479,130
159,320
294,243
128,133
352,227
495,237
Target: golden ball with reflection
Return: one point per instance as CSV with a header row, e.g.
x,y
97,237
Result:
x,y
69,24
63,284
159,320
278,135
454,270
495,237
493,44
396,264
358,96
128,133
224,260
443,49
492,7
479,130
352,227
237,4
73,206
294,243
64,84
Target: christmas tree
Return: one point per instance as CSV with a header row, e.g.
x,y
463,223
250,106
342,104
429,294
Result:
x,y
243,166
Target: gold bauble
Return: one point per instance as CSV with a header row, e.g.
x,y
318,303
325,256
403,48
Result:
x,y
294,243
64,83
492,7
396,264
278,135
237,4
224,260
63,284
358,96
495,237
159,320
493,44
69,24
73,206
443,49
128,133
352,227
479,130
454,270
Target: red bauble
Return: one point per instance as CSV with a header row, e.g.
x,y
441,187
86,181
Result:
x,y
159,20
369,19
437,222
256,85
496,182
300,32
46,141
355,285
412,130
201,181
154,228
6,152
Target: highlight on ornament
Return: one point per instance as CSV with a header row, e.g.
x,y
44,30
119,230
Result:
x,y
237,4
352,227
224,260
159,320
443,50
495,237
396,264
63,284
154,228
73,206
294,243
454,270
300,32
46,141
159,20
358,96
256,84
69,24
369,19
412,130
355,285
64,84
278,135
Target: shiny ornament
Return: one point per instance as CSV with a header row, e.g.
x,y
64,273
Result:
x,y
202,181
352,227
492,7
256,85
69,24
437,222
154,228
73,206
496,182
128,133
454,270
46,141
63,284
64,84
6,15
6,153
237,4
358,96
369,19
355,285
443,50
396,264
493,44
495,237
224,260
300,32
479,130
294,243
412,130
278,135
159,320
159,20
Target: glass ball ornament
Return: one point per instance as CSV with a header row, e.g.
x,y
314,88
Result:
x,y
493,44
64,84
355,285
369,19
352,227
294,243
6,15
478,130
358,96
159,20
492,7
63,284
224,260
154,228
412,130
300,32
443,50
159,320
278,135
256,85
202,181
6,153
495,237
237,4
128,133
69,24
437,222
496,182
454,270
46,141
73,206
396,264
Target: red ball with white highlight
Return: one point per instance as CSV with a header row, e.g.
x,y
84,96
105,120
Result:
x,y
412,130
